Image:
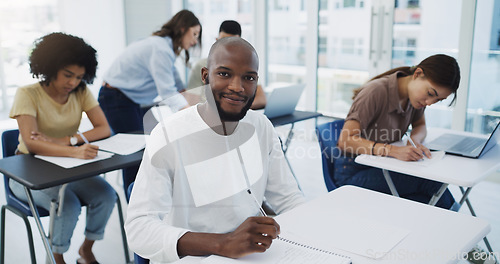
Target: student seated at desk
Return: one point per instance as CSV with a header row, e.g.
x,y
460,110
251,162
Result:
x,y
191,195
228,28
381,113
48,114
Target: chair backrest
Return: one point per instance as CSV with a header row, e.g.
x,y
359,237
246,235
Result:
x,y
10,140
9,146
328,136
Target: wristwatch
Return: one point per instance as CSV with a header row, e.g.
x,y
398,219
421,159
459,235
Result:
x,y
73,140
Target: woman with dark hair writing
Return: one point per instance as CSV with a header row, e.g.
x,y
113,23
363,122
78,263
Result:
x,y
381,113
48,114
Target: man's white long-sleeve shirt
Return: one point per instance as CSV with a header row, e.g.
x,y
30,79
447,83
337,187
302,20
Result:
x,y
193,179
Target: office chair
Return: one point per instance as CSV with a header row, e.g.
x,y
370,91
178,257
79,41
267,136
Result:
x,y
328,136
22,209
137,259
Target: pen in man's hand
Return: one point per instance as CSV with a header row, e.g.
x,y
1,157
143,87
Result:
x,y
83,137
257,202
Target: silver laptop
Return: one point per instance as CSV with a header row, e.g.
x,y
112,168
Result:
x,y
467,146
283,100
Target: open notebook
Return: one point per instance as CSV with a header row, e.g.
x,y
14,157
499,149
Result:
x,y
286,251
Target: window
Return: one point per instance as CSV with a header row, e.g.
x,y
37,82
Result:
x,y
483,105
342,56
347,46
322,45
21,22
418,32
323,5
210,18
349,3
244,6
279,5
287,34
411,44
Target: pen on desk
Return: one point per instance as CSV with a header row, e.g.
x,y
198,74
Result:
x,y
257,202
83,137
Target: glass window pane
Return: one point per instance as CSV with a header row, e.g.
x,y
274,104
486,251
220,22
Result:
x,y
21,22
212,13
419,31
343,54
287,29
483,106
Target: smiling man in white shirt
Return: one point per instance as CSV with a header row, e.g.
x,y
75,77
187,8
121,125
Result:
x,y
192,193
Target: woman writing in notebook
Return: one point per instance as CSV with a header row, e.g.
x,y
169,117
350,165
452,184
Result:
x,y
381,113
48,114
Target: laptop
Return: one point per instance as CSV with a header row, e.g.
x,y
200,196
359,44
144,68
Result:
x,y
283,100
466,146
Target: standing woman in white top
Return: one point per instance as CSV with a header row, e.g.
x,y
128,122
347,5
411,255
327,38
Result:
x,y
48,114
145,70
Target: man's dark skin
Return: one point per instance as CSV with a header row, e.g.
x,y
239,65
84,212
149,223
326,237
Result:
x,y
232,74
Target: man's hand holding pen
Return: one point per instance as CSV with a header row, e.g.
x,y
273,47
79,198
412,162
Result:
x,y
255,234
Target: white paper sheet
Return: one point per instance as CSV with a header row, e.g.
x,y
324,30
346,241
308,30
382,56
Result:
x,y
67,162
122,144
436,157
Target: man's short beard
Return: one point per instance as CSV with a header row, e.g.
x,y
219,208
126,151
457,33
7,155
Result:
x,y
230,117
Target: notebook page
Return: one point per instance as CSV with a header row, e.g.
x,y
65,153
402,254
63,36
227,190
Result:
x,y
425,162
67,162
283,252
122,144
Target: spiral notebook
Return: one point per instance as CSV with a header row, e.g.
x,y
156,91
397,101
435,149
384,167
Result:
x,y
286,251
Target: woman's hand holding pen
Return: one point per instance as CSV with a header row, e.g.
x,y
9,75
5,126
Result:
x,y
254,235
410,153
85,151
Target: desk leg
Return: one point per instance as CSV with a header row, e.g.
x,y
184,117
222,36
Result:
x,y
284,147
435,198
389,181
288,139
465,199
34,211
465,194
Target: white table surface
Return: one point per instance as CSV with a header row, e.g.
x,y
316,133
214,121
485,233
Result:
x,y
456,170
435,235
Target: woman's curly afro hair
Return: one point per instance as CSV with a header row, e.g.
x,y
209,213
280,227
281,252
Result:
x,y
55,51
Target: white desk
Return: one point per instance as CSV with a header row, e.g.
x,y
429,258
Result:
x,y
456,170
432,238
452,169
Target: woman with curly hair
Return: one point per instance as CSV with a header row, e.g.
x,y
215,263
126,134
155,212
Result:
x,y
144,71
48,114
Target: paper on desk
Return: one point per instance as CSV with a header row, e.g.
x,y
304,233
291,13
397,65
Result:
x,y
436,156
363,237
122,144
282,252
67,162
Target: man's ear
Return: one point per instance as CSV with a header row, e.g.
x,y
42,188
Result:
x,y
204,75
